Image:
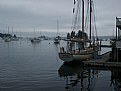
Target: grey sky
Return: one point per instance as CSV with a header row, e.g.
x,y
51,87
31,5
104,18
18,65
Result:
x,y
25,15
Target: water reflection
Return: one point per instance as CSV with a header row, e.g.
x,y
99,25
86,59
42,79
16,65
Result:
x,y
80,78
76,76
116,79
56,51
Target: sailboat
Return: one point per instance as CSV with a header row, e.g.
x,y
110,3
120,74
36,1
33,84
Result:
x,y
79,46
57,38
14,37
35,39
8,36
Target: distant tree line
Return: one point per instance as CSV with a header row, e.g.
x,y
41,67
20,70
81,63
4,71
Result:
x,y
80,34
6,35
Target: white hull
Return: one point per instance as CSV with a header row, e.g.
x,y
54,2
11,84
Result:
x,y
56,41
35,40
67,57
7,39
15,39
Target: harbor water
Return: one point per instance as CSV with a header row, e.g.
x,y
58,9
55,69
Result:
x,y
25,66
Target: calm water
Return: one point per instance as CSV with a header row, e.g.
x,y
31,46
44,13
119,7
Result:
x,y
36,67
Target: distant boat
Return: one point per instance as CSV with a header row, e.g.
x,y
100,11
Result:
x,y
7,37
14,37
35,39
57,39
10,38
79,47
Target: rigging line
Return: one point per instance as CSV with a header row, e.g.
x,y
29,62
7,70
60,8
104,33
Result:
x,y
87,16
57,27
93,22
79,16
76,15
73,15
93,29
79,19
72,21
94,18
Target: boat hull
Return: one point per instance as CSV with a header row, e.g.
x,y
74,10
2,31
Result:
x,y
56,42
7,39
67,57
35,40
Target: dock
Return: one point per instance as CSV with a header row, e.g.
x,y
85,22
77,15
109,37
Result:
x,y
108,46
102,61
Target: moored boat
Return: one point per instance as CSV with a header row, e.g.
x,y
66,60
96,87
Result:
x,y
6,39
35,40
57,39
79,46
77,55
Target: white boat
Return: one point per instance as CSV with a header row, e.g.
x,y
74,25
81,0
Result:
x,y
79,46
35,40
15,39
8,36
7,39
57,39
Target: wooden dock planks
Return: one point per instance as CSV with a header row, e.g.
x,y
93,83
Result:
x,y
102,61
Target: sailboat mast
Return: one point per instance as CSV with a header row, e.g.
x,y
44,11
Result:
x,y
82,15
8,29
90,17
34,32
12,29
57,28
